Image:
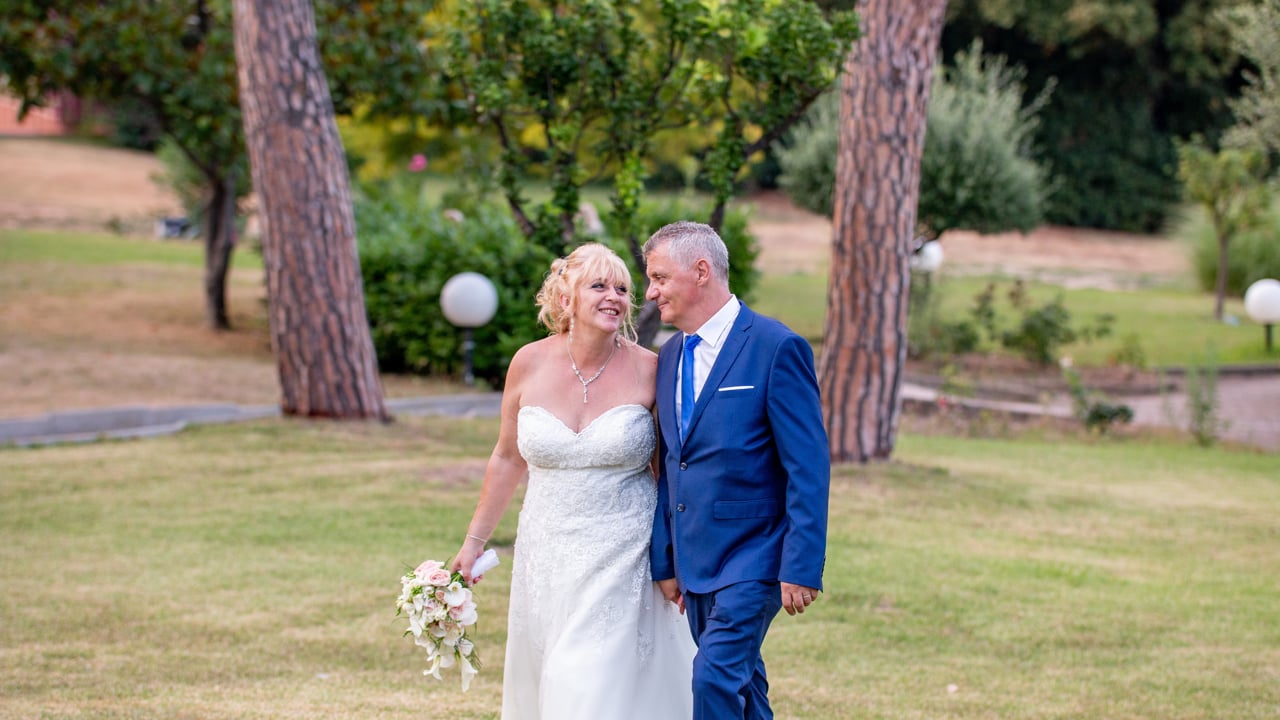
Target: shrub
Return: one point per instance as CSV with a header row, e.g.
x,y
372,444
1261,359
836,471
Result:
x,y
1122,180
977,170
808,162
1254,252
1044,329
1041,332
1097,413
1204,420
409,249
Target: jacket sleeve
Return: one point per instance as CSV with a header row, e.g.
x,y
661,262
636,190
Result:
x,y
795,414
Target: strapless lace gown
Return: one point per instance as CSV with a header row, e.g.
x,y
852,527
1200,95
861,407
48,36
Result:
x,y
590,637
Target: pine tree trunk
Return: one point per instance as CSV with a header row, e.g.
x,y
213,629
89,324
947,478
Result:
x,y
885,92
319,329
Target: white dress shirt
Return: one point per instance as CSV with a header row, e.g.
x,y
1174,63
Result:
x,y
713,333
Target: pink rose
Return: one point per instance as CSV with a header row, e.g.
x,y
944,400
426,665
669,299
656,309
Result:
x,y
418,163
427,566
439,577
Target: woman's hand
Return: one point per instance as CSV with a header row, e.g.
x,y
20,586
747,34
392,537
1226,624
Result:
x,y
466,557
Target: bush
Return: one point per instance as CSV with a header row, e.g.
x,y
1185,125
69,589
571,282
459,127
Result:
x,y
977,170
1106,178
1204,419
1097,413
1253,254
409,249
808,161
1043,330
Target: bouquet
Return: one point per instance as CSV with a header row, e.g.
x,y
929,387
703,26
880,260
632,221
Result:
x,y
441,610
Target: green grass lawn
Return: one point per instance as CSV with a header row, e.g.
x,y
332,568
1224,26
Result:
x,y
250,571
50,248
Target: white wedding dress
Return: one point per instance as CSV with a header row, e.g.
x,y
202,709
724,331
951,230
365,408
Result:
x,y
589,636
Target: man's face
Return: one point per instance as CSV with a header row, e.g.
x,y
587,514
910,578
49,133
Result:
x,y
675,289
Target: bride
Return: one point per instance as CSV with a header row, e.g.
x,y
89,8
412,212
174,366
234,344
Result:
x,y
589,634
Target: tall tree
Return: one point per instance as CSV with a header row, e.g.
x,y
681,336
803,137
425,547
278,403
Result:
x,y
315,296
885,94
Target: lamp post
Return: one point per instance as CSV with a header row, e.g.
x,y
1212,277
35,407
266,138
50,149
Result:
x,y
469,300
1262,303
926,259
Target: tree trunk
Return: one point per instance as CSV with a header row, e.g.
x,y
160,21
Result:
x,y
219,242
885,92
319,328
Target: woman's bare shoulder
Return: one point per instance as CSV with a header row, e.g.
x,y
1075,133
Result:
x,y
529,357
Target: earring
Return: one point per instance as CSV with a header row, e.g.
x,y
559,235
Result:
x,y
570,329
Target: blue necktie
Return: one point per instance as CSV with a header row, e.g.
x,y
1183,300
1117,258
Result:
x,y
686,384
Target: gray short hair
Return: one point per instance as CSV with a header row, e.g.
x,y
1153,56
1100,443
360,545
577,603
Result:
x,y
689,242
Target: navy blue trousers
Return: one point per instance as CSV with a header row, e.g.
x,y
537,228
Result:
x,y
729,626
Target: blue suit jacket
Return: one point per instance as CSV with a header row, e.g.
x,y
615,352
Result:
x,y
745,496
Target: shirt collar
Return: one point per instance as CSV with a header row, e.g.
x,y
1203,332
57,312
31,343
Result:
x,y
716,328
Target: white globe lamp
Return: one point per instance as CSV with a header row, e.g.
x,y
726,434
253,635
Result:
x,y
928,258
469,300
1262,304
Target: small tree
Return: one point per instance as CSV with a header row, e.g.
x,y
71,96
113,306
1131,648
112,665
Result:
x,y
581,90
1229,185
978,169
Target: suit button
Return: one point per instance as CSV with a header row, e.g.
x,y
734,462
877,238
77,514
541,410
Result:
x,y
680,507
684,466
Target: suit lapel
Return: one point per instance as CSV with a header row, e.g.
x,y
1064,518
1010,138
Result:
x,y
733,344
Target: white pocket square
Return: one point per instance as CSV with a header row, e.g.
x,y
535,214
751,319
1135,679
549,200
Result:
x,y
736,387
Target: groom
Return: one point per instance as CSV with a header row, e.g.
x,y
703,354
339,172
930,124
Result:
x,y
740,529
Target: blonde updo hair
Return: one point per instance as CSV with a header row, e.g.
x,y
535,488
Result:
x,y
588,263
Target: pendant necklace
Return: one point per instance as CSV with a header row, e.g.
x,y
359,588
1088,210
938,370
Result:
x,y
587,381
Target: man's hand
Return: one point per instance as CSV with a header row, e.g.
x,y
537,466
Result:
x,y
795,598
671,590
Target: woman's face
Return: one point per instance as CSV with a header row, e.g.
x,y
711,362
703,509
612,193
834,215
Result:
x,y
602,304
